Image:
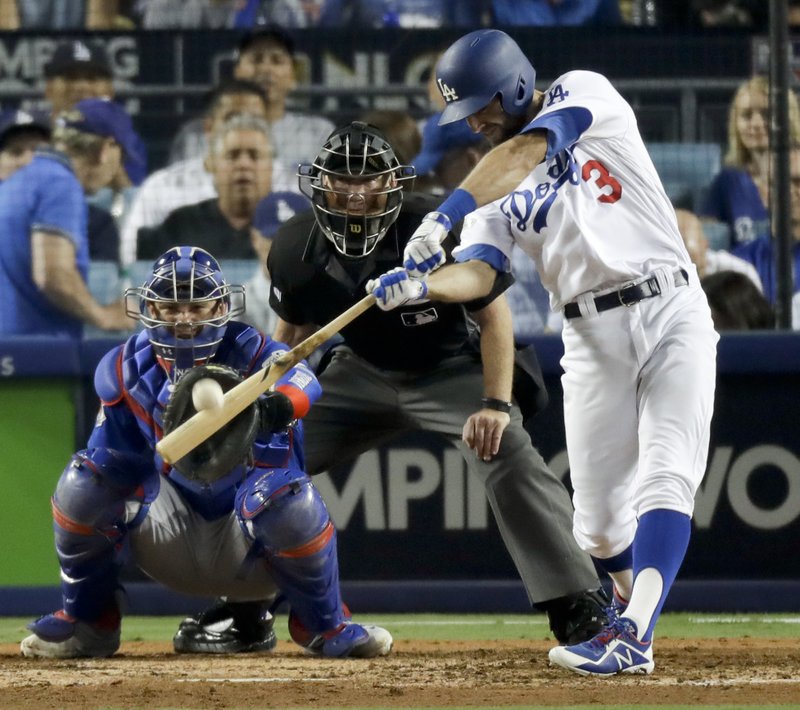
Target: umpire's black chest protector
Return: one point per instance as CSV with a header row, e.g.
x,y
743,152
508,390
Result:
x,y
316,284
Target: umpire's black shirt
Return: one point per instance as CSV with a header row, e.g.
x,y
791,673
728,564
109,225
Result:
x,y
312,283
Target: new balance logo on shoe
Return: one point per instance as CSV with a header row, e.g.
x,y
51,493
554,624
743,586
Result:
x,y
614,650
624,661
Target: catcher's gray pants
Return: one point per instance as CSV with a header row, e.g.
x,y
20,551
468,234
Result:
x,y
178,547
363,407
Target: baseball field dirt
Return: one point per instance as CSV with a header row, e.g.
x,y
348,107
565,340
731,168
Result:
x,y
746,671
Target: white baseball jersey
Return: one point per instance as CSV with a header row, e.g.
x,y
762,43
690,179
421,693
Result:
x,y
638,381
593,214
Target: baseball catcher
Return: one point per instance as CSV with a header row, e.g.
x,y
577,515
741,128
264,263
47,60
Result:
x,y
236,518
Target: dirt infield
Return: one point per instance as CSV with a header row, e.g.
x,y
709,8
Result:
x,y
757,672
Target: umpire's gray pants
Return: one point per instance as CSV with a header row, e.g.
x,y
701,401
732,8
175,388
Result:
x,y
363,407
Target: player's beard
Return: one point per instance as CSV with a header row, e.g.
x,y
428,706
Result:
x,y
499,133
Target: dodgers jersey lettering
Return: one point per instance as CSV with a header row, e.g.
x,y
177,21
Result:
x,y
594,213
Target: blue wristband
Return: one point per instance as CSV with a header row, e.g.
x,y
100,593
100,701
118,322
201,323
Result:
x,y
458,205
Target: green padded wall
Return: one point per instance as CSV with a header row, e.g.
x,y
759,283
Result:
x,y
37,436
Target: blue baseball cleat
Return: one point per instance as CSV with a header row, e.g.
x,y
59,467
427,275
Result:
x,y
355,641
59,635
614,650
348,640
617,606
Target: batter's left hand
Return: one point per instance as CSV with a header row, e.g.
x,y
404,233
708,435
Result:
x,y
483,431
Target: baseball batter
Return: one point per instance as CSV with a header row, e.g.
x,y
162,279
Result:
x,y
569,181
419,368
244,526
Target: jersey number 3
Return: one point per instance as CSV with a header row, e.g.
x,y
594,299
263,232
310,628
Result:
x,y
595,171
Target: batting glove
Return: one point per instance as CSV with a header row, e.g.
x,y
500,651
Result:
x,y
424,252
397,288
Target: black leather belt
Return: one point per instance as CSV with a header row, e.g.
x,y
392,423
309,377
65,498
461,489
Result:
x,y
627,296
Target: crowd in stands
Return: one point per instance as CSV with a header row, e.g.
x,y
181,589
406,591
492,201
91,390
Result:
x,y
77,190
423,14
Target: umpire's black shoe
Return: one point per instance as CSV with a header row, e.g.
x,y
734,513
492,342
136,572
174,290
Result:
x,y
578,617
227,627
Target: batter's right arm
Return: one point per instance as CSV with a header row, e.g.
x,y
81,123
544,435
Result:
x,y
500,171
503,168
455,283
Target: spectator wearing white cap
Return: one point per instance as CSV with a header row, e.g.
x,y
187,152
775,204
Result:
x,y
82,70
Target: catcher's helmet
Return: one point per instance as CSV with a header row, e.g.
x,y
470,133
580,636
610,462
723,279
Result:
x,y
480,66
185,275
356,188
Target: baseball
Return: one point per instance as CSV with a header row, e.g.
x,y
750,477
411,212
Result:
x,y
207,394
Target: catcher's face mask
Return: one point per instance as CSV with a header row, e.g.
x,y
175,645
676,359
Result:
x,y
356,188
185,306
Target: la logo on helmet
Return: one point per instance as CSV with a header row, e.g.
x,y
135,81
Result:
x,y
448,94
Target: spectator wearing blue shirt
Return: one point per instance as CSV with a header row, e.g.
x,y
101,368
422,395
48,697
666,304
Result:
x,y
422,14
552,13
760,252
739,194
455,13
43,219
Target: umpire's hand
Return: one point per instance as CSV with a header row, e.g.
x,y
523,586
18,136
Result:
x,y
483,431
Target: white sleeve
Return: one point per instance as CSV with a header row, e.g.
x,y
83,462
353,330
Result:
x,y
581,105
486,231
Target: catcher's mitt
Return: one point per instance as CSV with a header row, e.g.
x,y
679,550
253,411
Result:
x,y
225,449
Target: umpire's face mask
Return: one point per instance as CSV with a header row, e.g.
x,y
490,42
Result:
x,y
358,196
354,212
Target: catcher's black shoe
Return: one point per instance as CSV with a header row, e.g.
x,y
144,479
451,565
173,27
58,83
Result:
x,y
227,627
578,617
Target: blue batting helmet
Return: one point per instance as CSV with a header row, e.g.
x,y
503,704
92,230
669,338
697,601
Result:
x,y
185,276
479,66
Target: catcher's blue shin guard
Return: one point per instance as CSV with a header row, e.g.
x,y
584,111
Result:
x,y
100,495
284,514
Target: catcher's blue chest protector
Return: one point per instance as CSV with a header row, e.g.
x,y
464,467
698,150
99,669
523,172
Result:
x,y
134,389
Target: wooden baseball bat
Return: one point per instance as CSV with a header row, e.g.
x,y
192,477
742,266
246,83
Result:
x,y
195,430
